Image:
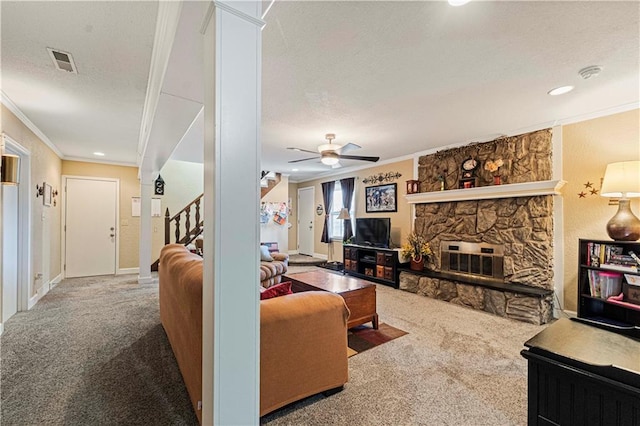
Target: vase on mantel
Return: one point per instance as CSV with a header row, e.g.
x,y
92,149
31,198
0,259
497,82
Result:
x,y
497,180
417,264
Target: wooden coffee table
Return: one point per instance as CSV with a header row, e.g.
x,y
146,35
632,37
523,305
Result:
x,y
359,295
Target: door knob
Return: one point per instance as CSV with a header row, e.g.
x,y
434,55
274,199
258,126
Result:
x,y
112,229
112,235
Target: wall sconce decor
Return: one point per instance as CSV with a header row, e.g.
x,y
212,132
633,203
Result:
x,y
413,186
45,191
158,186
10,165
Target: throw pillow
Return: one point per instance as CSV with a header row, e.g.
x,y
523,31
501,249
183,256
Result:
x,y
265,255
276,290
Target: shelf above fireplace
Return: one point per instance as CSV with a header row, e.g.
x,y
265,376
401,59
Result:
x,y
528,189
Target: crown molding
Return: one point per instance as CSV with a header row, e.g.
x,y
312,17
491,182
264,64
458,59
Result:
x,y
7,102
104,162
166,28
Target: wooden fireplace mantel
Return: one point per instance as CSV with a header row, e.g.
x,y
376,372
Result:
x,y
528,189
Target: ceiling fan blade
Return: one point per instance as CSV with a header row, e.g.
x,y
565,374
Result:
x,y
304,159
359,157
302,150
349,147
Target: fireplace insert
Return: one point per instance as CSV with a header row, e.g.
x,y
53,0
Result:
x,y
466,259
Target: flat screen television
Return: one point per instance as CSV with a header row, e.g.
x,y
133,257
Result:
x,y
373,231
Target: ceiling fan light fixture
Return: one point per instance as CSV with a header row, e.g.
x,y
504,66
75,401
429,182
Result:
x,y
330,161
329,147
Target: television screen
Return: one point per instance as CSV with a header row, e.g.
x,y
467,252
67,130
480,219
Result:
x,y
373,231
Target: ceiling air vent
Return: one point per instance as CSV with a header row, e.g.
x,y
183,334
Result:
x,y
62,60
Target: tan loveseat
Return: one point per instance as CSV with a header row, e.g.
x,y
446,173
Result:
x,y
303,336
271,272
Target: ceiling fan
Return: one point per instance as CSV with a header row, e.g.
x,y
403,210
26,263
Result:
x,y
331,153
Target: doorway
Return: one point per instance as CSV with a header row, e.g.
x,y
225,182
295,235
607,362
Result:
x,y
90,225
306,198
16,234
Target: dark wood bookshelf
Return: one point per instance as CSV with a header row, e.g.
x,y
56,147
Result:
x,y
595,310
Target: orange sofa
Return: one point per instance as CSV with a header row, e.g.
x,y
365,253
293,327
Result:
x,y
303,336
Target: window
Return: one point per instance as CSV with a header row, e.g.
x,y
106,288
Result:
x,y
336,226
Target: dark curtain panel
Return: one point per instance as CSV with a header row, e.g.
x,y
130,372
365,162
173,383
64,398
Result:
x,y
327,196
348,185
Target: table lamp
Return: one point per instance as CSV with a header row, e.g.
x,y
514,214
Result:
x,y
622,180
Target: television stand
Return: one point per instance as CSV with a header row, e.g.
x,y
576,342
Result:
x,y
375,264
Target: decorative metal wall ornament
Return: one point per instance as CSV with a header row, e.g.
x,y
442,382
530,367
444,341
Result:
x,y
382,177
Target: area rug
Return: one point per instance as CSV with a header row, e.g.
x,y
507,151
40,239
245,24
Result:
x,y
302,259
365,337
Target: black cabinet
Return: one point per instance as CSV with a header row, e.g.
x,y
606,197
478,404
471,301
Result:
x,y
581,375
597,258
374,264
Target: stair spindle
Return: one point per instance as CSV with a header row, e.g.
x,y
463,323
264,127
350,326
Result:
x,y
197,203
177,229
187,222
167,227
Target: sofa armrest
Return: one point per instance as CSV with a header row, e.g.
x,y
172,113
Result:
x,y
283,257
303,347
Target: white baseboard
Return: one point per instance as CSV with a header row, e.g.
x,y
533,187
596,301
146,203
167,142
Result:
x,y
54,282
39,295
320,256
292,251
127,271
146,280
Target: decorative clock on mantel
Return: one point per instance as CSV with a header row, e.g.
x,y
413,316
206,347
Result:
x,y
468,178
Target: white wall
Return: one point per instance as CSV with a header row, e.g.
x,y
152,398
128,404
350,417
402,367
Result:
x,y
271,231
183,183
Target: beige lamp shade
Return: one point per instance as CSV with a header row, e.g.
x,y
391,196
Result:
x,y
344,214
10,169
621,180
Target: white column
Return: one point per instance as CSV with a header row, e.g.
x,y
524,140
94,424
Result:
x,y
231,320
146,192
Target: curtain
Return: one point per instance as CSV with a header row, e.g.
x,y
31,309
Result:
x,y
327,196
348,185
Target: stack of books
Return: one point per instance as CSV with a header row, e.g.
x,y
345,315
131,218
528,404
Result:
x,y
608,256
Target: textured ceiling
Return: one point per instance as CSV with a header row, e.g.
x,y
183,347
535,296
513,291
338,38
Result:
x,y
394,77
100,108
403,77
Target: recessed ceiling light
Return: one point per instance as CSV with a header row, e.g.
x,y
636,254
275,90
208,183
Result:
x,y
99,154
560,90
458,2
294,170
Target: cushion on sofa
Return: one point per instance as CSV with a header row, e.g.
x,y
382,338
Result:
x,y
265,256
276,290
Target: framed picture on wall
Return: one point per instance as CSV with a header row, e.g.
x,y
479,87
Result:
x,y
46,197
381,198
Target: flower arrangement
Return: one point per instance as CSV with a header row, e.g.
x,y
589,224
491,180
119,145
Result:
x,y
493,165
416,247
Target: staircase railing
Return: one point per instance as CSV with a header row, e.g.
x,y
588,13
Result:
x,y
189,212
190,234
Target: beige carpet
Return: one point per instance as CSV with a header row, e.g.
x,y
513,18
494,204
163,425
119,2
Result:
x,y
456,366
93,352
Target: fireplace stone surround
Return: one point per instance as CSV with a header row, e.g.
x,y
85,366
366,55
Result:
x,y
522,225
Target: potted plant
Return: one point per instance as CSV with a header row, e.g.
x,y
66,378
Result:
x,y
492,166
417,248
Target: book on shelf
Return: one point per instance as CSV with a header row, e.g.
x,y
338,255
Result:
x,y
594,283
619,267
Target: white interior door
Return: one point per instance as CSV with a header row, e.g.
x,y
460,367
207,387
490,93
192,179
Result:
x,y
9,251
306,218
90,223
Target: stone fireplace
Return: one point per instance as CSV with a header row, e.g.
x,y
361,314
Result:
x,y
493,246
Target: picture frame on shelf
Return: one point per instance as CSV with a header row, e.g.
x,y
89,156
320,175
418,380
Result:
x,y
381,198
